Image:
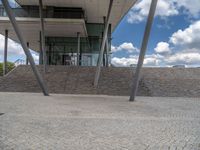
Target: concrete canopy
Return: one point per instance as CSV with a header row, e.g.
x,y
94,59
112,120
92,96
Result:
x,y
30,28
94,9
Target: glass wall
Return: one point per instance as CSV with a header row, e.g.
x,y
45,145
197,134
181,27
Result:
x,y
63,50
49,12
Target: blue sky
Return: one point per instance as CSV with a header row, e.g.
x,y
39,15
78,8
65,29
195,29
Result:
x,y
174,40
175,22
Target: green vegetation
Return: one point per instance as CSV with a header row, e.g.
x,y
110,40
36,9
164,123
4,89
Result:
x,y
10,67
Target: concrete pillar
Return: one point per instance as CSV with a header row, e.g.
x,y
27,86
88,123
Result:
x,y
143,49
78,48
5,69
98,70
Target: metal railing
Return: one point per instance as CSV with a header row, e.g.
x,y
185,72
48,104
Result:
x,y
19,62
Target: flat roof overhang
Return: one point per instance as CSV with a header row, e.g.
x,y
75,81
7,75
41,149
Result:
x,y
30,28
95,10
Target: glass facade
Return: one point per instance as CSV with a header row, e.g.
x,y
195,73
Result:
x,y
48,12
63,50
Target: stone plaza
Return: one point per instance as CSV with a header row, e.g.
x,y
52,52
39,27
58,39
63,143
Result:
x,y
83,122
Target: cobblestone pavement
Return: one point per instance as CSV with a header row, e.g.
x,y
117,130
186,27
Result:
x,y
32,121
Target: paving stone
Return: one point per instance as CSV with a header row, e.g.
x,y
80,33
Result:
x,y
33,121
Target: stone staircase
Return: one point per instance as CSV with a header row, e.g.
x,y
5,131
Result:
x,y
173,82
71,80
113,81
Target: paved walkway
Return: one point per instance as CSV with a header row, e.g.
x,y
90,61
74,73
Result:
x,y
32,121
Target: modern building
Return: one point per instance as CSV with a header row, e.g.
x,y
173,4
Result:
x,y
69,32
65,21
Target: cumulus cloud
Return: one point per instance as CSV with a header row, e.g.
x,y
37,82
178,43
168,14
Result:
x,y
123,62
190,58
129,47
154,60
150,60
189,37
139,12
13,47
14,50
187,45
183,48
163,48
165,8
192,9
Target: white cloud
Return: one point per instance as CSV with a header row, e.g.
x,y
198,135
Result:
x,y
123,62
155,60
14,50
190,58
165,8
183,48
13,47
189,37
186,47
129,47
163,48
191,7
139,12
150,60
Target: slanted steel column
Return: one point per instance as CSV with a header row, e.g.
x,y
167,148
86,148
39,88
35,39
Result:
x,y
24,46
143,49
5,65
42,36
78,48
105,35
27,57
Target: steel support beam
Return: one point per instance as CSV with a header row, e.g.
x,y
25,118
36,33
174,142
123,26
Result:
x,y
78,48
24,46
105,35
27,57
5,65
143,49
42,36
